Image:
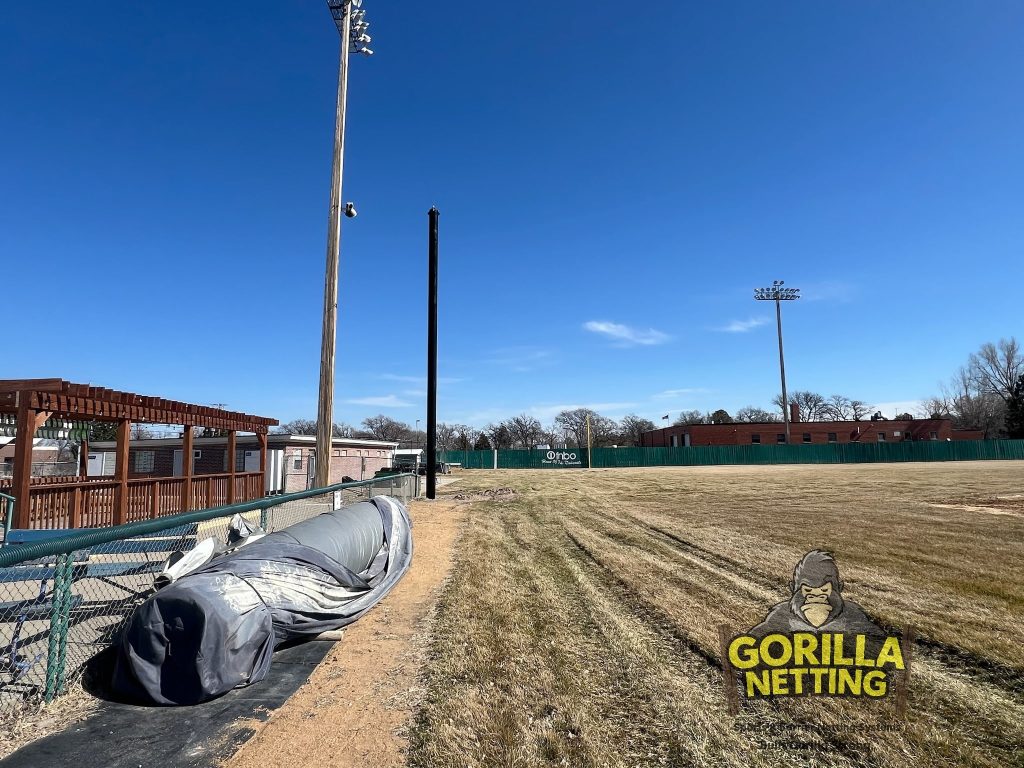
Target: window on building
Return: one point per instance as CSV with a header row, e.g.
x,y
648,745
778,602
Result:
x,y
755,439
675,441
833,437
344,452
881,437
336,453
780,437
240,460
197,455
933,435
297,460
144,461
895,433
807,437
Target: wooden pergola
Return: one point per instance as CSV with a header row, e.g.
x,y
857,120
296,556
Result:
x,y
82,501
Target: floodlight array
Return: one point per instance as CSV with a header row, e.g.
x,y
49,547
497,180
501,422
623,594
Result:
x,y
776,292
359,40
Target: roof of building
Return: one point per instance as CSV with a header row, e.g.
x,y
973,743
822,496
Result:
x,y
272,439
84,401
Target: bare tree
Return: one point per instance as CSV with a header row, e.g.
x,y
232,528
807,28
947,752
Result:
x,y
859,409
466,437
140,432
971,408
810,405
524,430
603,431
383,427
838,408
994,370
632,427
297,427
690,417
447,436
498,436
751,413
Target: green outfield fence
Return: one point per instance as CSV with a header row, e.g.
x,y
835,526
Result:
x,y
64,596
831,453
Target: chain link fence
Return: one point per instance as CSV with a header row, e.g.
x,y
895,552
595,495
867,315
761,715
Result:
x,y
66,595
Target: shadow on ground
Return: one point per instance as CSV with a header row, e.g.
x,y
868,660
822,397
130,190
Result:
x,y
124,735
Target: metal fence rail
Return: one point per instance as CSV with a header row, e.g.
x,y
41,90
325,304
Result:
x,y
64,596
837,453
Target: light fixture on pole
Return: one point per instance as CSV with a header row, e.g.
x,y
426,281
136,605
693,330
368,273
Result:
x,y
778,294
351,22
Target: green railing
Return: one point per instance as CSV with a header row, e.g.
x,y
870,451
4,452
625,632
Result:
x,y
831,453
100,575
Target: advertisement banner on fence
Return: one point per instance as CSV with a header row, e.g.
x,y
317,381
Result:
x,y
568,457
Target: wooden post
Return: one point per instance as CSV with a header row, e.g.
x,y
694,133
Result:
x,y
28,422
121,472
76,507
83,459
262,437
154,500
232,460
23,462
186,469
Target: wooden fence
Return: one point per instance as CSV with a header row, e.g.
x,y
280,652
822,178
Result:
x,y
93,502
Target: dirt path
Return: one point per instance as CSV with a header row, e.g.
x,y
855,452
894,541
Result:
x,y
355,709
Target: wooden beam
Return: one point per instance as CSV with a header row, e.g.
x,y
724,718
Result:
x,y
23,465
263,458
42,385
186,469
231,449
121,472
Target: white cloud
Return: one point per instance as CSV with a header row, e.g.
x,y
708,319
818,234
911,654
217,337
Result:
x,y
521,359
624,335
836,291
742,326
669,394
386,401
544,412
890,409
422,380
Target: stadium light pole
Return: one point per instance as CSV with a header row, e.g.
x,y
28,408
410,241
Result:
x,y
352,26
778,294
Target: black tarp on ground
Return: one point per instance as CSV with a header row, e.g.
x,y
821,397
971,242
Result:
x,y
216,628
203,736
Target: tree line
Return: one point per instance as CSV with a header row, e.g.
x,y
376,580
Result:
x,y
986,393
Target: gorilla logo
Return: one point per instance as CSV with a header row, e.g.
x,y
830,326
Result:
x,y
817,603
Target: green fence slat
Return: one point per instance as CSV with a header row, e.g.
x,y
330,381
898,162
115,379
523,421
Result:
x,y
830,453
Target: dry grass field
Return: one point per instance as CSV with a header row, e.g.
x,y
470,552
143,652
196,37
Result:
x,y
579,624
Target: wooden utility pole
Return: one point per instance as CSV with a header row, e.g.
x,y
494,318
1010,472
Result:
x,y
325,412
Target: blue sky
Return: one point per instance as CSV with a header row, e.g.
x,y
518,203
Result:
x,y
613,183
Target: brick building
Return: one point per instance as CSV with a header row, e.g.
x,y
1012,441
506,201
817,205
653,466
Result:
x,y
805,432
291,459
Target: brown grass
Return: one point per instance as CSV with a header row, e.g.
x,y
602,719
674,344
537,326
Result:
x,y
579,627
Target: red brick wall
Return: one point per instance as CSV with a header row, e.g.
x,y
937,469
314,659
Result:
x,y
845,432
350,463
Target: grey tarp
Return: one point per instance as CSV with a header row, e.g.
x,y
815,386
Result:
x,y
216,628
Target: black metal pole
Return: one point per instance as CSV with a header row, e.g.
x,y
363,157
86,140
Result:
x,y
432,359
